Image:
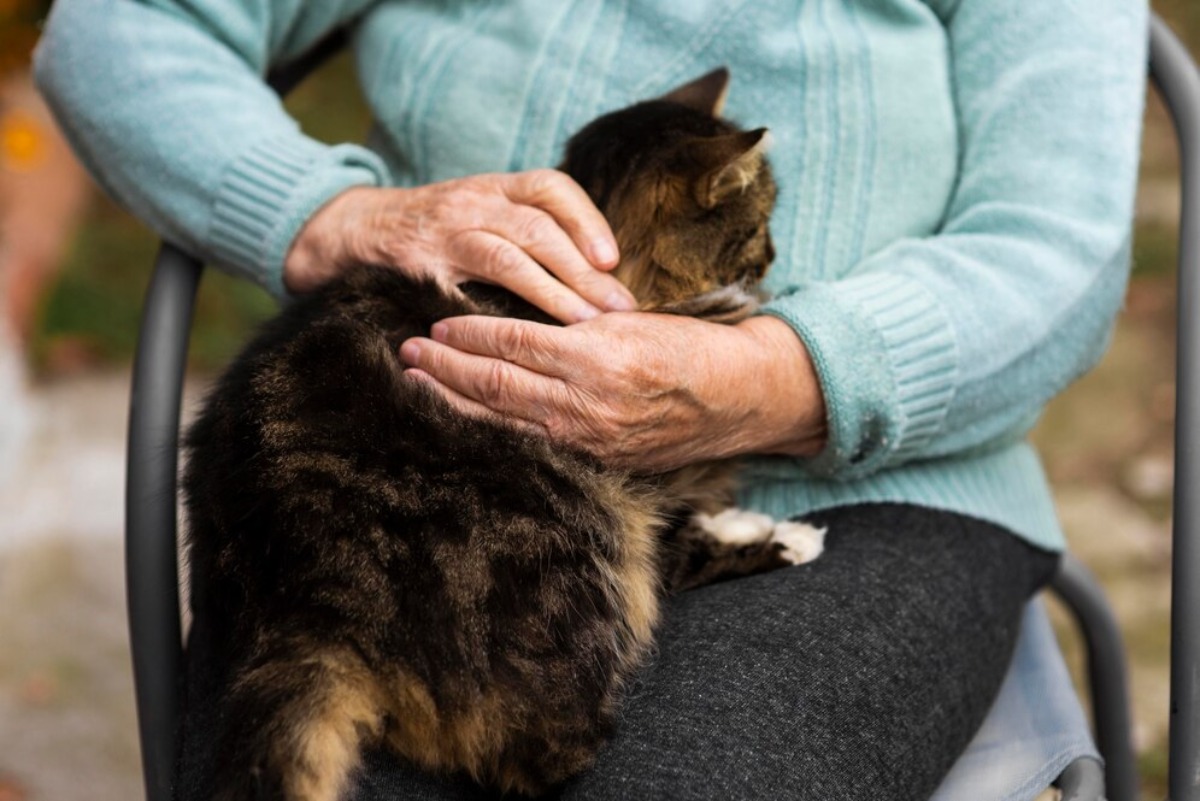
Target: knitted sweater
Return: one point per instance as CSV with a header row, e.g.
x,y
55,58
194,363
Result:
x,y
956,179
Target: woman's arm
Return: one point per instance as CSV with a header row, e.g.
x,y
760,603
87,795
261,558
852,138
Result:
x,y
939,345
166,105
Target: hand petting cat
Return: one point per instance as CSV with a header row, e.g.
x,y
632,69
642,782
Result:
x,y
535,233
644,391
650,392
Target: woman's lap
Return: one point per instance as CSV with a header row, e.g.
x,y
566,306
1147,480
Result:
x,y
862,674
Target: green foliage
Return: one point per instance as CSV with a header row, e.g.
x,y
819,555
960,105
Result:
x,y
1155,249
330,106
97,299
96,305
1152,768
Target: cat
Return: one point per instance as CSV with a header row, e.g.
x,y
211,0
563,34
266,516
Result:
x,y
382,571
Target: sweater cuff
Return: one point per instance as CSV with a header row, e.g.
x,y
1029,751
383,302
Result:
x,y
887,360
267,195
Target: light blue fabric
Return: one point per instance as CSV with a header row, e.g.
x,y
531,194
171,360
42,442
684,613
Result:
x,y
1035,729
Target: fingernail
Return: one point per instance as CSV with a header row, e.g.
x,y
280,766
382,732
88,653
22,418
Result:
x,y
438,332
586,312
409,352
621,301
604,251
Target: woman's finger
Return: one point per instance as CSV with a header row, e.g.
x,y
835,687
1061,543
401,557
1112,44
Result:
x,y
491,258
556,193
540,235
501,386
544,349
466,405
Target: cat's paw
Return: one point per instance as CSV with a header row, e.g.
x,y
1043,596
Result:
x,y
736,526
801,542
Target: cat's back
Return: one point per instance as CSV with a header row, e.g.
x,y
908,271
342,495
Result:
x,y
323,377
315,464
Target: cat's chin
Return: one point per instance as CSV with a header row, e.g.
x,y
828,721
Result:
x,y
727,304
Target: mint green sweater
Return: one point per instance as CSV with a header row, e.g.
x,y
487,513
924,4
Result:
x,y
956,179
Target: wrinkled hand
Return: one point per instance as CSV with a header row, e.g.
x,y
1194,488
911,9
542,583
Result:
x,y
536,233
643,391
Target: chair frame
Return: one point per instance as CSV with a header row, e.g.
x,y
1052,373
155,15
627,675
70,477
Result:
x,y
1178,82
152,570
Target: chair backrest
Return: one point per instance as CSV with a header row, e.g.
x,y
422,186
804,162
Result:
x,y
152,577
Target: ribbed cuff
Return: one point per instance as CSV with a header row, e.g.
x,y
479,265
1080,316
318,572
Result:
x,y
886,357
268,194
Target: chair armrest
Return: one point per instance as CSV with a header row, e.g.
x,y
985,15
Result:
x,y
1083,780
151,570
1107,674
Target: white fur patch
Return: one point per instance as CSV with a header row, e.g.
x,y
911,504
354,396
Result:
x,y
735,295
802,542
737,526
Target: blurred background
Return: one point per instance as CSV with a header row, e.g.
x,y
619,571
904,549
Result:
x,y
73,267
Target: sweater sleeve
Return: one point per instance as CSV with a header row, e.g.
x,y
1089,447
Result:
x,y
954,342
166,105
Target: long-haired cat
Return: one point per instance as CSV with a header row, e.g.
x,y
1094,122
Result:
x,y
383,571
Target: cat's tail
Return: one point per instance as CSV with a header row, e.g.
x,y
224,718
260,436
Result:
x,y
294,723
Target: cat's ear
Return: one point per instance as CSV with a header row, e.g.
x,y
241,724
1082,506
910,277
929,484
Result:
x,y
705,94
726,165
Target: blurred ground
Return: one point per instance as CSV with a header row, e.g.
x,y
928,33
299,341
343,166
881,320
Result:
x,y
66,706
67,728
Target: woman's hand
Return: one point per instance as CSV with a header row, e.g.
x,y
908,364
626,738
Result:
x,y
535,233
644,391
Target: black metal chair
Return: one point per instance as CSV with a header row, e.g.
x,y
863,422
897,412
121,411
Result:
x,y
150,542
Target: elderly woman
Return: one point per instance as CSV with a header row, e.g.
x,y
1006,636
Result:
x,y
956,184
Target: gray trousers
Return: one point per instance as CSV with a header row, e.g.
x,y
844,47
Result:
x,y
862,675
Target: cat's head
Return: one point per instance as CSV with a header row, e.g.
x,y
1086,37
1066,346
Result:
x,y
688,194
